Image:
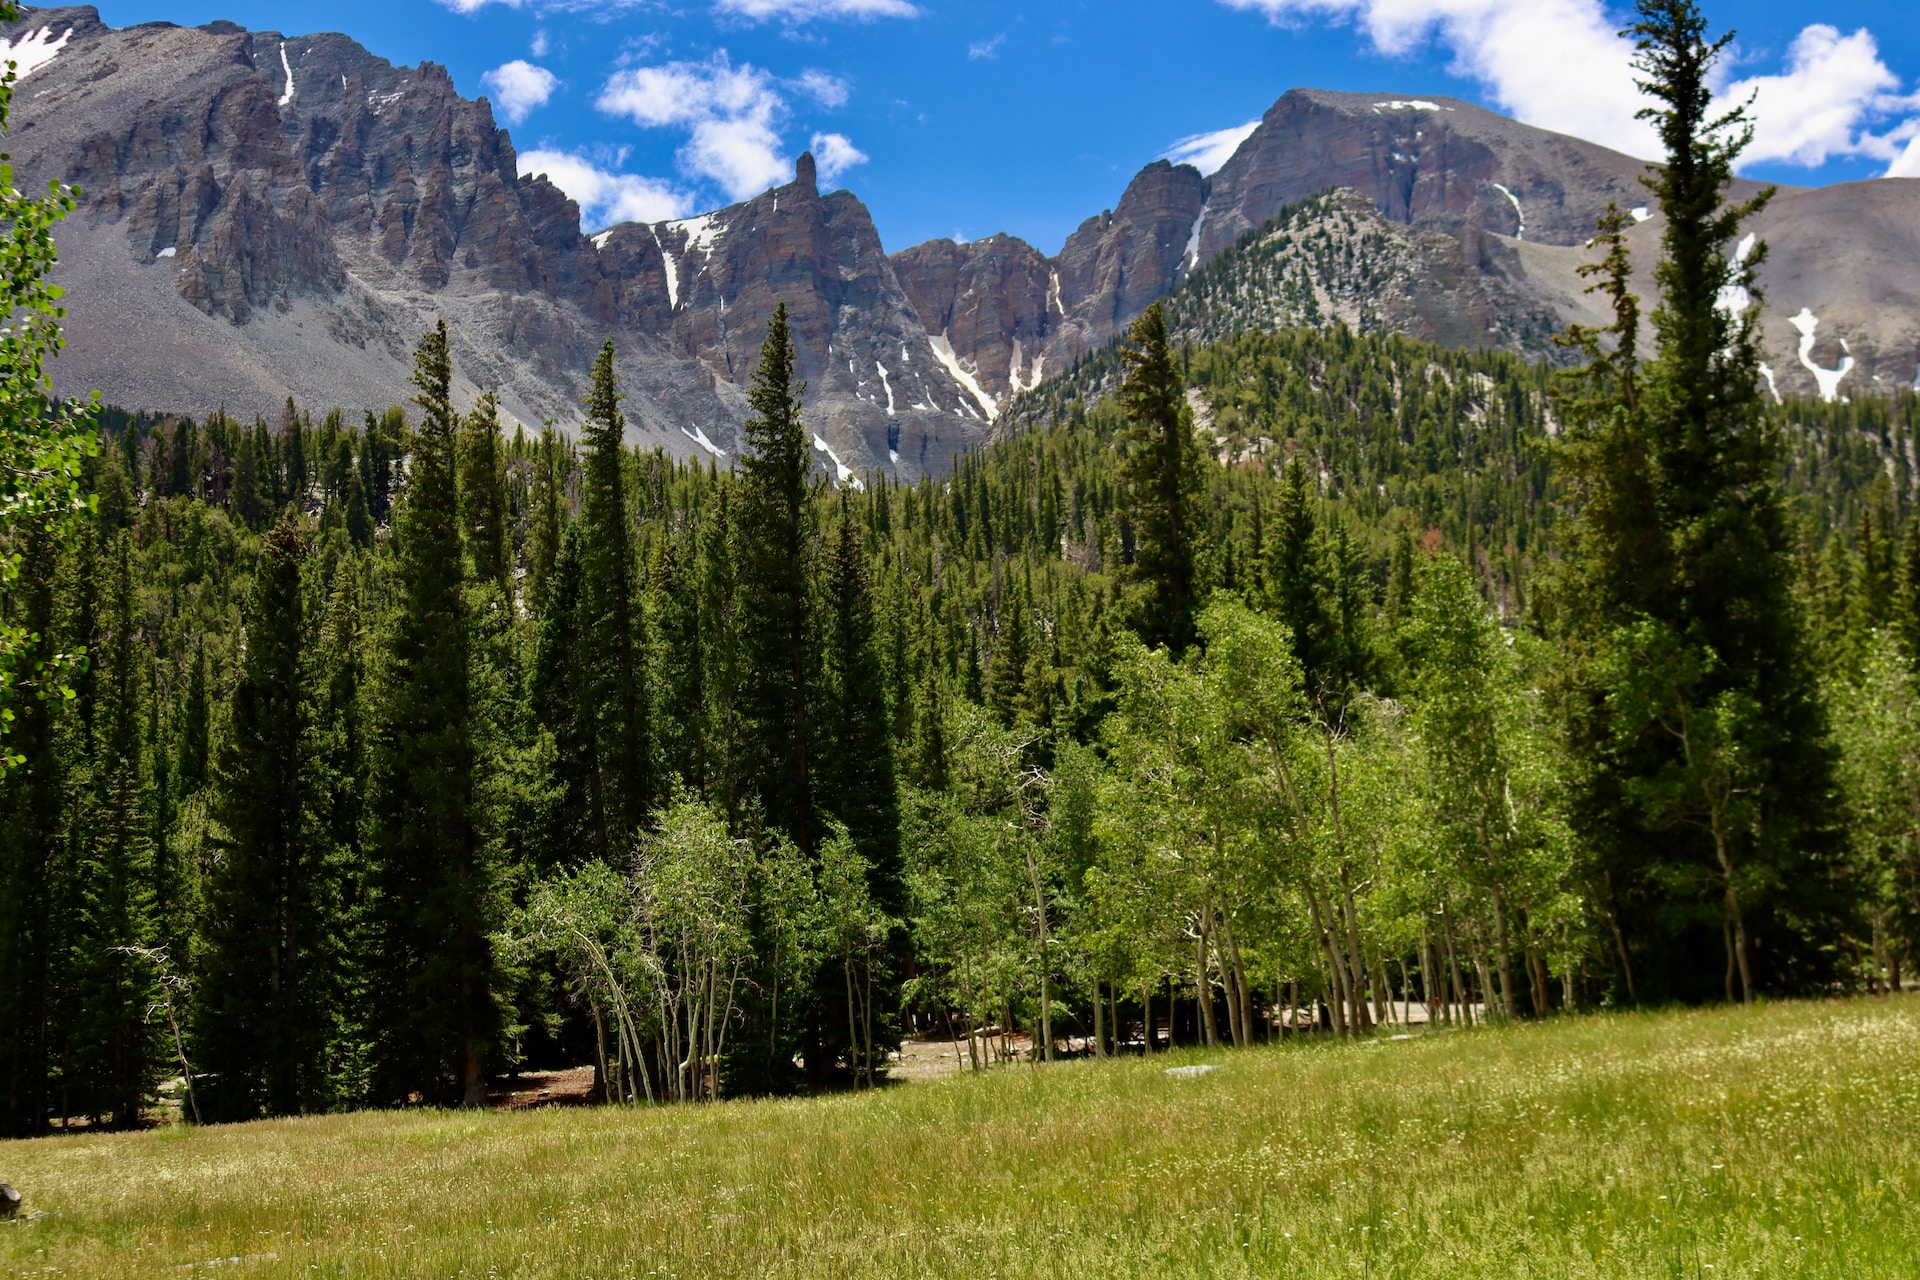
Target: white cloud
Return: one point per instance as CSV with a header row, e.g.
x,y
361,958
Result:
x,y
1563,65
807,10
827,90
605,197
520,88
690,92
733,115
987,48
539,46
1832,87
1208,151
475,6
834,154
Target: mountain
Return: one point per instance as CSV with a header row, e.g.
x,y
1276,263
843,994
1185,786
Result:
x,y
268,216
1480,223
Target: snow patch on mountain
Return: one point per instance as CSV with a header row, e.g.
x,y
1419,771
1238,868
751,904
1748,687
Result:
x,y
840,469
885,385
33,50
702,233
943,352
287,67
1828,379
1410,104
1518,212
673,278
699,436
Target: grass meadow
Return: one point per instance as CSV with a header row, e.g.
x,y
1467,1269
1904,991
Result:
x,y
1775,1142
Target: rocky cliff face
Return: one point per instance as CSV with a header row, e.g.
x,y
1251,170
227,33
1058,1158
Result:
x,y
268,215
1477,227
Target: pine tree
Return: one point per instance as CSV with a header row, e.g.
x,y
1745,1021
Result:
x,y
483,495
570,825
293,440
546,521
721,652
32,884
116,1053
1007,664
674,624
1681,581
432,891
856,777
1161,479
774,545
612,627
263,1019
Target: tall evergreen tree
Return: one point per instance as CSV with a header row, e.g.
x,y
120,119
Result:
x,y
1161,480
263,1019
1683,576
570,826
856,776
483,494
432,1002
612,676
721,654
774,543
116,1050
546,520
33,887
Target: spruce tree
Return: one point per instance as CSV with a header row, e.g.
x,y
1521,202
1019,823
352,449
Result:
x,y
612,676
483,495
856,776
674,624
116,1054
432,967
1680,603
33,887
721,656
1007,665
263,1019
546,520
1161,479
774,543
569,826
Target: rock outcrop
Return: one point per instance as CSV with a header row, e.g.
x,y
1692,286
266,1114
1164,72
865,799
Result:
x,y
267,216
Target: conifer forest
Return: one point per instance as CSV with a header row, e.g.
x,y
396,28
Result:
x,y
1239,689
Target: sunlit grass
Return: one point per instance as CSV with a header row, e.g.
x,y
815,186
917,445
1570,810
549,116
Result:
x,y
1773,1143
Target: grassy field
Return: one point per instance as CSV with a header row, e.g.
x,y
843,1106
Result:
x,y
1779,1142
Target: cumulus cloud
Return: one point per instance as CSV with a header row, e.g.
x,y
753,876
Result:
x,y
1562,65
519,88
808,10
539,45
987,48
833,155
733,116
1832,88
606,197
1208,151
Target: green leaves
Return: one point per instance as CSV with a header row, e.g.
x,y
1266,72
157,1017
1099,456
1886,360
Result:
x,y
44,441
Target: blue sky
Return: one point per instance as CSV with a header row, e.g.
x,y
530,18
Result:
x,y
963,119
